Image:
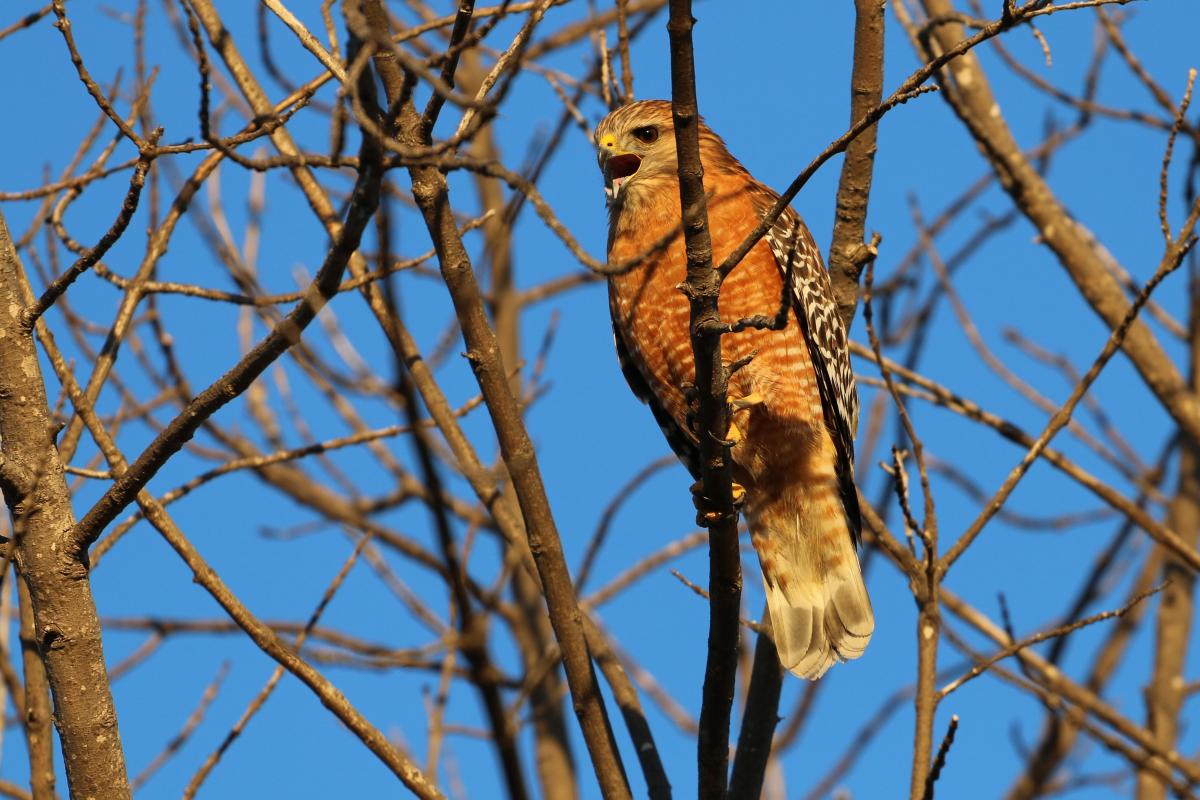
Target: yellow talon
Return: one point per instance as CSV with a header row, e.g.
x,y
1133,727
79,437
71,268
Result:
x,y
736,406
749,401
706,517
734,434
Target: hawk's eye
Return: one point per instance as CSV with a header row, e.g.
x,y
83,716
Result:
x,y
646,135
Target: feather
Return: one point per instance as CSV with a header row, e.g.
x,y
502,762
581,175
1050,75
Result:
x,y
819,608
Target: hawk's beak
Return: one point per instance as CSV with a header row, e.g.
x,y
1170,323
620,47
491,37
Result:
x,y
618,167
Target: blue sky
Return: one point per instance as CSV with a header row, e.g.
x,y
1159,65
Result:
x,y
773,81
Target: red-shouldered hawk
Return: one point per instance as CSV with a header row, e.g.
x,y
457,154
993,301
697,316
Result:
x,y
794,407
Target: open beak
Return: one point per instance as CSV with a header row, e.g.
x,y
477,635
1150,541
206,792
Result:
x,y
617,170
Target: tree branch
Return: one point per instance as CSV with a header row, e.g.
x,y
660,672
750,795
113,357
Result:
x,y
703,288
759,717
432,196
848,251
65,622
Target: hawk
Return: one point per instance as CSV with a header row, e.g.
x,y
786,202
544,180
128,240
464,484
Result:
x,y
794,406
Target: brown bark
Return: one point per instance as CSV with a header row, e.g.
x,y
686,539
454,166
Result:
x,y
1165,694
56,573
703,289
759,718
925,701
848,252
37,710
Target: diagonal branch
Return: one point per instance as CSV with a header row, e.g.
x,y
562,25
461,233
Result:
x,y
432,196
1060,418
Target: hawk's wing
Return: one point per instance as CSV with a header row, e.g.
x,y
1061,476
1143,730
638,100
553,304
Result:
x,y
812,299
685,446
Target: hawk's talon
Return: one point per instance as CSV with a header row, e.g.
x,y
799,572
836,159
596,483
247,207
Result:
x,y
737,405
748,401
734,435
706,515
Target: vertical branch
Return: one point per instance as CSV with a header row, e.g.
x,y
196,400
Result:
x,y
1176,607
623,49
759,718
37,703
66,626
924,576
929,624
703,288
1166,691
848,253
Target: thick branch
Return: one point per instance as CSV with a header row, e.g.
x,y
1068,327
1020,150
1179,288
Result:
x,y
66,626
37,711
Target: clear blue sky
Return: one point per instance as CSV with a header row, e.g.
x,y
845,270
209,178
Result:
x,y
773,81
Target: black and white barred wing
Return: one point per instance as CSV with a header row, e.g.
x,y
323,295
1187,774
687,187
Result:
x,y
812,299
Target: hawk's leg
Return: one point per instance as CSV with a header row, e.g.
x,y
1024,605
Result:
x,y
705,514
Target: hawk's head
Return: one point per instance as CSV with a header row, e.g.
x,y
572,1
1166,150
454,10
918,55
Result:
x,y
636,148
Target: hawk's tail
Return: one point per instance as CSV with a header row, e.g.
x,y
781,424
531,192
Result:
x,y
820,612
